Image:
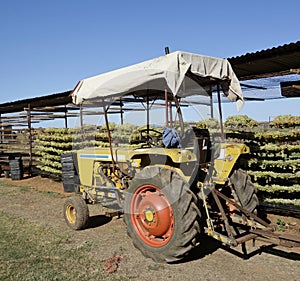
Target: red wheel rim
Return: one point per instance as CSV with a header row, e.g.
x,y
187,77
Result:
x,y
152,215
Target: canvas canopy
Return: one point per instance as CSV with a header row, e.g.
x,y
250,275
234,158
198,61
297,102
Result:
x,y
165,72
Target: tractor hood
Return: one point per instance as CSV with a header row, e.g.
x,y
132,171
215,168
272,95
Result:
x,y
163,73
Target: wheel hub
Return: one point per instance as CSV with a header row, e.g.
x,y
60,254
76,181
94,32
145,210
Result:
x,y
152,215
71,214
149,215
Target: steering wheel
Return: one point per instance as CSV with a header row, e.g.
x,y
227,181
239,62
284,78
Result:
x,y
146,135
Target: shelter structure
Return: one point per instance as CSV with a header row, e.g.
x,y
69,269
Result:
x,y
16,125
278,62
17,118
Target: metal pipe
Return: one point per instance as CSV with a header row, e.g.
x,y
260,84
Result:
x,y
256,218
66,117
30,139
220,113
121,108
177,103
171,114
109,140
224,217
211,103
166,105
148,116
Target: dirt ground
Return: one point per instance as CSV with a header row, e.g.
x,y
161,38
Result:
x,y
43,204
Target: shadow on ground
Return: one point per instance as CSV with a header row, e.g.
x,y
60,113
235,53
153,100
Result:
x,y
209,245
96,221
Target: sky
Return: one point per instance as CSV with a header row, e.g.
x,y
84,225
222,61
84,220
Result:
x,y
46,47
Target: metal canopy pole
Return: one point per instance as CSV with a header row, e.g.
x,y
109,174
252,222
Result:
x,y
148,116
30,139
171,114
220,112
66,117
81,117
121,107
81,122
211,103
167,108
1,132
109,138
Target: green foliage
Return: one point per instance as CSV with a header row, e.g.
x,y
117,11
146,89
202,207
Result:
x,y
210,123
278,188
51,143
240,121
283,164
284,148
280,224
285,121
279,201
278,136
47,169
273,163
270,174
140,134
274,160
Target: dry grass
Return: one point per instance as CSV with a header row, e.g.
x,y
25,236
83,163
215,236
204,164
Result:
x,y
30,251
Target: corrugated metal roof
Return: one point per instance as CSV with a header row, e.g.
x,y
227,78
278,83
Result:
x,y
266,63
48,100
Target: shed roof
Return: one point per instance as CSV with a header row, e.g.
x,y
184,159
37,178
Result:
x,y
277,61
63,98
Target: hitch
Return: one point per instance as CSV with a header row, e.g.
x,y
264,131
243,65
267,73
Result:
x,y
256,228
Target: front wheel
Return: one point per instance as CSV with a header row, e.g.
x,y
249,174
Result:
x,y
161,214
76,213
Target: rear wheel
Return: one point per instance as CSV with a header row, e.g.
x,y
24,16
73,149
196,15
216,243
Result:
x,y
161,214
245,190
76,213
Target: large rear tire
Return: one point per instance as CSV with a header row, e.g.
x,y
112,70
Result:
x,y
76,213
161,214
245,190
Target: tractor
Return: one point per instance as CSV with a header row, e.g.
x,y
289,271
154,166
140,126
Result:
x,y
172,180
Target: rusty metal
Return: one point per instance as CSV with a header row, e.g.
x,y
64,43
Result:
x,y
285,240
220,112
253,216
267,234
224,218
246,238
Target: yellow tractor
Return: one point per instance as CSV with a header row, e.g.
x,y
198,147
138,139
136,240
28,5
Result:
x,y
172,181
